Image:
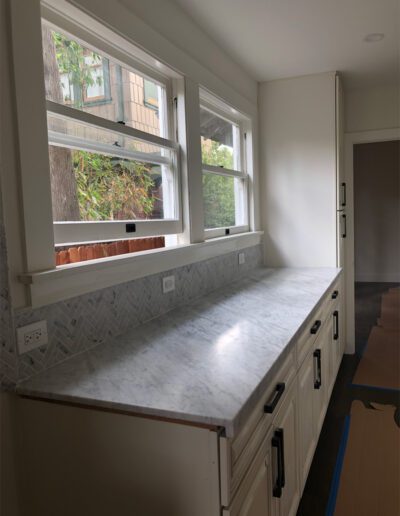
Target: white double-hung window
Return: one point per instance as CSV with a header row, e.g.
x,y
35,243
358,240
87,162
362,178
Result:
x,y
117,143
225,178
113,159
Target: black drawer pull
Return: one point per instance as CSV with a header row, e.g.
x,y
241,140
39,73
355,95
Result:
x,y
335,294
344,234
335,325
317,369
271,405
315,327
344,194
278,443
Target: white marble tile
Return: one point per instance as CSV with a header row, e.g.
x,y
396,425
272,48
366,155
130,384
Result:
x,y
204,362
86,321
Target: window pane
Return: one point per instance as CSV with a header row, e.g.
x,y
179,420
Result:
x,y
219,201
80,135
86,80
219,141
88,186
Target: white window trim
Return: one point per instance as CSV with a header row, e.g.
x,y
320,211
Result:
x,y
45,283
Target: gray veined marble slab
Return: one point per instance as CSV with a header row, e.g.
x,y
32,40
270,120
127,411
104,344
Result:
x,y
205,363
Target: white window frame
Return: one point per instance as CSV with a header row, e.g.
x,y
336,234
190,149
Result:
x,y
222,110
35,279
66,233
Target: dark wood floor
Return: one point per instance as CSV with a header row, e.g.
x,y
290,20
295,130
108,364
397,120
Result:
x,y
317,489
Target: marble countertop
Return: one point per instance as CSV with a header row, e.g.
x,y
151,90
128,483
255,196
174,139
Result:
x,y
205,362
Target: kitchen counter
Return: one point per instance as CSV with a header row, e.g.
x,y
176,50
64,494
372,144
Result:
x,y
205,363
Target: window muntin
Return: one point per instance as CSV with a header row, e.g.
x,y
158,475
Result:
x,y
106,169
224,177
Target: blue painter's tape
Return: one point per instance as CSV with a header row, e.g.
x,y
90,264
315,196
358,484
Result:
x,y
330,508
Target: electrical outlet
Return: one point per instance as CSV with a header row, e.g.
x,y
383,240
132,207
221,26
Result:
x,y
242,258
32,336
168,284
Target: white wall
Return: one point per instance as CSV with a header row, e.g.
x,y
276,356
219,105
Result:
x,y
298,170
368,109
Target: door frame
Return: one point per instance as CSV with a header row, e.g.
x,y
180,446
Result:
x,y
352,139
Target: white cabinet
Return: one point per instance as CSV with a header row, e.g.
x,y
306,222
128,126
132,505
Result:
x,y
116,463
298,147
255,494
314,381
271,487
307,427
285,443
322,373
316,377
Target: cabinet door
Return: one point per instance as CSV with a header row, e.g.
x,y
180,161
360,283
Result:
x,y
285,429
307,427
254,496
322,374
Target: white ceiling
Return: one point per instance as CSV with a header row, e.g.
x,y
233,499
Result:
x,y
274,39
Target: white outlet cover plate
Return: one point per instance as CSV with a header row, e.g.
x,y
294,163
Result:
x,y
242,258
168,283
32,336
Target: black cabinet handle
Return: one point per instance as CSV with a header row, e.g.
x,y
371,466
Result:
x,y
270,406
344,234
315,327
335,294
278,443
317,370
335,325
344,194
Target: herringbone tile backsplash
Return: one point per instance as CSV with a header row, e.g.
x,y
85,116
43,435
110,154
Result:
x,y
86,321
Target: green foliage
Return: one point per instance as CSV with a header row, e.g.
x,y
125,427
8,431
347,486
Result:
x,y
111,188
218,191
76,62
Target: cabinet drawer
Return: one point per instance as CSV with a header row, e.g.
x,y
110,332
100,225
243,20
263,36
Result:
x,y
237,454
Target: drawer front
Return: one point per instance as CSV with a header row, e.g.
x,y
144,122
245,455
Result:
x,y
237,454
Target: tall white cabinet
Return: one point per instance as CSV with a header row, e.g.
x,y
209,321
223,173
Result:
x,y
300,151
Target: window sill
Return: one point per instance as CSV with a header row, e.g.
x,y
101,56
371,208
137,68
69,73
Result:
x,y
72,280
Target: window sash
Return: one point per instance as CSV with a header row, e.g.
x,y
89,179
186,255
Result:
x,y
72,233
97,121
78,143
75,232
